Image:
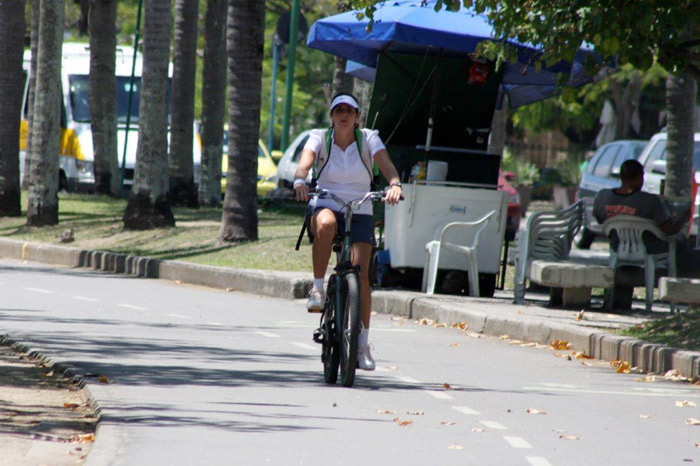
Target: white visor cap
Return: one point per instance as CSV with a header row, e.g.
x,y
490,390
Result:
x,y
344,99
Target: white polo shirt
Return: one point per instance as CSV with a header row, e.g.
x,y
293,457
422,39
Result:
x,y
344,175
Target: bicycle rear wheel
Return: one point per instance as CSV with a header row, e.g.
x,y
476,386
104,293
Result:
x,y
330,350
350,332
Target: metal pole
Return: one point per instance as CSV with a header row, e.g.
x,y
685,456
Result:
x,y
131,94
273,93
293,33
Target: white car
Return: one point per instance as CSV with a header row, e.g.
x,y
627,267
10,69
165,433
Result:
x,y
289,162
653,157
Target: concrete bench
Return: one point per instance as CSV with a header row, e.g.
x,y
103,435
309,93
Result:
x,y
571,281
680,290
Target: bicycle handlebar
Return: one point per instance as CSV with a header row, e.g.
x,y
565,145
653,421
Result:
x,y
374,196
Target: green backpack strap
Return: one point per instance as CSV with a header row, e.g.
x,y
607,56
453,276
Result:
x,y
359,139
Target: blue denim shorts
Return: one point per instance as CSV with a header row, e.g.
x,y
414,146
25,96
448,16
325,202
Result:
x,y
362,227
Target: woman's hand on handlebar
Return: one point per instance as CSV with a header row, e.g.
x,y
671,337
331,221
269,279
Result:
x,y
301,192
393,195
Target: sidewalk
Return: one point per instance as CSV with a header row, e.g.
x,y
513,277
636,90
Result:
x,y
589,332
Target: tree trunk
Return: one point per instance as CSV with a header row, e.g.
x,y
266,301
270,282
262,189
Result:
x,y
680,102
363,91
12,79
103,98
182,184
34,46
341,81
83,21
46,128
149,206
213,102
245,38
626,97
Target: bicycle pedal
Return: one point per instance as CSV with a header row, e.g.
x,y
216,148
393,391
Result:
x,y
318,336
314,311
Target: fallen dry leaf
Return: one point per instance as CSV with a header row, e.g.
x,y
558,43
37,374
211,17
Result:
x,y
446,386
178,282
103,379
650,378
454,344
373,313
697,445
415,413
521,312
560,345
692,422
460,325
456,447
228,290
49,374
385,411
569,437
448,423
536,411
674,376
581,355
515,342
622,367
686,404
645,416
440,325
402,423
579,315
84,438
504,337
392,368
398,318
425,321
478,429
71,405
530,344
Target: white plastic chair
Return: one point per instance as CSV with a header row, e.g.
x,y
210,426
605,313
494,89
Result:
x,y
434,248
632,251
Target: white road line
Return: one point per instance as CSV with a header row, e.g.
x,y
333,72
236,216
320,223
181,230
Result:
x,y
268,334
215,324
517,442
129,306
305,346
438,395
494,425
466,410
636,392
538,461
409,380
38,290
85,298
179,316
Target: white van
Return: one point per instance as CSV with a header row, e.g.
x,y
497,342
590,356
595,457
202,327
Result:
x,y
76,172
653,157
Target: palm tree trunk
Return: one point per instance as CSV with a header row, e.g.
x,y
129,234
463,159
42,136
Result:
x,y
245,38
34,46
680,103
12,79
341,81
149,206
103,99
213,102
182,186
46,128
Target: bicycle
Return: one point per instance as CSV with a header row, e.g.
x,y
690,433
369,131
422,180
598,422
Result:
x,y
340,323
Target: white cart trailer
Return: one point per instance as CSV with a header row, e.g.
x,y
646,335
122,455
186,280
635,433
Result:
x,y
427,206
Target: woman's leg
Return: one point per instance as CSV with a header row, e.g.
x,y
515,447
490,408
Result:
x,y
323,227
362,255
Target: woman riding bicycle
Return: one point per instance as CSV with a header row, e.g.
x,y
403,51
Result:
x,y
344,167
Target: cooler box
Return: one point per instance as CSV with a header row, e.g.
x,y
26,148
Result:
x,y
412,223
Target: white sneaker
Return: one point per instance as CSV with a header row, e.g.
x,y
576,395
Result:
x,y
316,300
364,358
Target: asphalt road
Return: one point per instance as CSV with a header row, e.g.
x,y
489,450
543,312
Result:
x,y
201,376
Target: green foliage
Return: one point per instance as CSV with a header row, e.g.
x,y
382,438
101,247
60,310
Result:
x,y
569,170
526,173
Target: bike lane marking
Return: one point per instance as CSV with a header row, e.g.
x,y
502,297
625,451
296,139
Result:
x,y
268,334
38,290
85,298
130,306
517,442
538,461
438,395
305,346
467,410
494,425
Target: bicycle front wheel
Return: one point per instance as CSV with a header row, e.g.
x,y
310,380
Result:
x,y
330,351
350,332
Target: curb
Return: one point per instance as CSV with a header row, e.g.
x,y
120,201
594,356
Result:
x,y
647,357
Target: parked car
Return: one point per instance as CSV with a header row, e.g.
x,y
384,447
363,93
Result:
x,y
267,169
653,157
602,172
289,162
